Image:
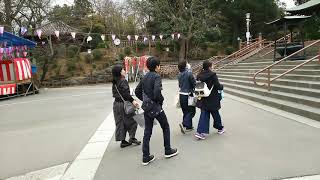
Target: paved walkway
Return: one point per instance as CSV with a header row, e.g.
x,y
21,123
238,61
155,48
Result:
x,y
257,145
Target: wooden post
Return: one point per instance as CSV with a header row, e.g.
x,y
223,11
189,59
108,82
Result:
x,y
260,39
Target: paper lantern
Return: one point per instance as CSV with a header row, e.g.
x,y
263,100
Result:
x,y
113,37
136,37
57,33
1,30
161,37
39,32
89,39
103,37
153,37
73,34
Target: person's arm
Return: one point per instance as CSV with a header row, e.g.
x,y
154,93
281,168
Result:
x,y
125,91
216,83
192,81
157,89
139,91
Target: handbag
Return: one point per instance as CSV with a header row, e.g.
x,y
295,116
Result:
x,y
128,107
192,101
139,118
202,90
150,107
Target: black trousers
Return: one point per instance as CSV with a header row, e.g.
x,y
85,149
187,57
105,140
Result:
x,y
163,121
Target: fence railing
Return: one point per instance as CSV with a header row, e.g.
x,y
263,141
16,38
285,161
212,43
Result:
x,y
268,68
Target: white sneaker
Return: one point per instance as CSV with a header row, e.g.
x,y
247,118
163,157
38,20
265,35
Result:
x,y
221,131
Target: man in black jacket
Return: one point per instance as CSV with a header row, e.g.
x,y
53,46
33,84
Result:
x,y
151,86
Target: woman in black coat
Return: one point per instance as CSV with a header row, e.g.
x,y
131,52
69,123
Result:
x,y
211,104
124,123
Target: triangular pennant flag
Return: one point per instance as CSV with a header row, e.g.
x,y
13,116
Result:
x,y
129,37
113,37
103,37
73,34
172,35
145,39
161,37
23,30
57,33
178,35
39,32
1,30
25,53
136,37
153,37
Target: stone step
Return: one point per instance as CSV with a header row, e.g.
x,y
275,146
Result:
x,y
278,71
248,87
294,90
257,67
287,76
268,62
286,82
295,108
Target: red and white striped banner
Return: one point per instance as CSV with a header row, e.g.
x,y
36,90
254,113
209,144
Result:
x,y
21,68
7,89
6,71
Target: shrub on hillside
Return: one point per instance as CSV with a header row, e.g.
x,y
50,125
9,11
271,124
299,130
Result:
x,y
229,50
97,54
88,58
72,50
127,51
71,65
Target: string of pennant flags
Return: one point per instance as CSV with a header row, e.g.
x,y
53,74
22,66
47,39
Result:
x,y
24,30
8,52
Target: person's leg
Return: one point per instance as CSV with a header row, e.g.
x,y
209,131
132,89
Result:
x,y
131,126
118,114
204,122
163,121
147,135
217,120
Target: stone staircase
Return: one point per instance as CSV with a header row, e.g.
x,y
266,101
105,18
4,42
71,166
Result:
x,y
297,92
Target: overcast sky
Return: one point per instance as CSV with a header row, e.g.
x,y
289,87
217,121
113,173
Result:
x,y
289,3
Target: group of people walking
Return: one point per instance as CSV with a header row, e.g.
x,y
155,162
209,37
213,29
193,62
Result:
x,y
149,92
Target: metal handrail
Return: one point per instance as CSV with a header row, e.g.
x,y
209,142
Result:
x,y
238,58
239,51
268,68
273,44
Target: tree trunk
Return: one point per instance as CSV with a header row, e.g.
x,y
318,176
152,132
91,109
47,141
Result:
x,y
182,51
187,47
8,14
46,63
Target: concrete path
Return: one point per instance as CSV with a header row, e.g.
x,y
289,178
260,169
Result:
x,y
49,129
257,145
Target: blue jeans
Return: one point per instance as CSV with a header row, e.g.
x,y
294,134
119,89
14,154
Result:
x,y
204,121
188,112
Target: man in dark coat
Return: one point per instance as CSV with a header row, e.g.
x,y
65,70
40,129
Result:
x,y
151,86
211,104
